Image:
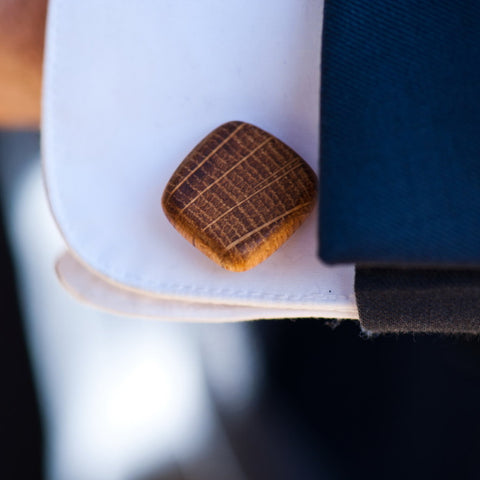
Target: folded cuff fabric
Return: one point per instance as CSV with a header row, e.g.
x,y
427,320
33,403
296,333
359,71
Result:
x,y
112,140
399,139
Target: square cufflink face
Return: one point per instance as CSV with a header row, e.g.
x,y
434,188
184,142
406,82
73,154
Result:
x,y
239,195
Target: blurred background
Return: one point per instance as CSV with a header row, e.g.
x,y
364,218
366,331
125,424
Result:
x,y
89,395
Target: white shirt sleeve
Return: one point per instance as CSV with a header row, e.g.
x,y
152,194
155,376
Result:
x,y
129,89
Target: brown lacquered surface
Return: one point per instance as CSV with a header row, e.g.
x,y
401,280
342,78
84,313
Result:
x,y
239,195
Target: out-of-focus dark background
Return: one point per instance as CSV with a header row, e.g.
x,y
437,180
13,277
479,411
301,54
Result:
x,y
333,403
20,423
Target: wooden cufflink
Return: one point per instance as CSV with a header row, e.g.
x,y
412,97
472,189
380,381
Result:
x,y
239,195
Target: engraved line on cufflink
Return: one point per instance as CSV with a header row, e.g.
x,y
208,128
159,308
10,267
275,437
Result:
x,y
207,157
261,188
239,195
246,157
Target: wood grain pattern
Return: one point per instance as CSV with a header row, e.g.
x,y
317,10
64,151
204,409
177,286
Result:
x,y
239,195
